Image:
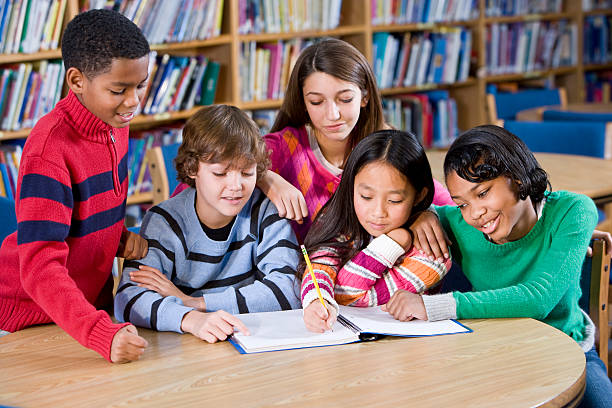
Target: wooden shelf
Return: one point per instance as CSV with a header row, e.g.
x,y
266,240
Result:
x,y
338,32
530,17
427,87
598,67
37,56
17,134
268,104
423,26
602,12
140,198
220,40
531,74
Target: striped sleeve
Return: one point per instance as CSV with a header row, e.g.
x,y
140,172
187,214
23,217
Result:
x,y
44,215
325,266
381,269
144,307
275,262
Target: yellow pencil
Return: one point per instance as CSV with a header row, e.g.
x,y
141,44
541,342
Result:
x,y
312,275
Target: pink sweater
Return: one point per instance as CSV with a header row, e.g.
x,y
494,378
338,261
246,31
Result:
x,y
372,276
293,158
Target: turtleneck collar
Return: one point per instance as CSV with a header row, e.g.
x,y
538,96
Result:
x,y
88,125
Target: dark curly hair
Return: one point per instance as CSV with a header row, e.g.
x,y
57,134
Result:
x,y
486,152
219,133
94,38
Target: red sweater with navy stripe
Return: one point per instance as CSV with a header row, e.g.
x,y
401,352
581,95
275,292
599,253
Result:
x,y
70,208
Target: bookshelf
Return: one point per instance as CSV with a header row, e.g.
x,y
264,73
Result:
x,y
356,27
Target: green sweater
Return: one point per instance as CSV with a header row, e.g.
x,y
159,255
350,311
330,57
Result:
x,y
537,276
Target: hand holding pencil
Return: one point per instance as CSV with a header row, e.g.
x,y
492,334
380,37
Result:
x,y
318,315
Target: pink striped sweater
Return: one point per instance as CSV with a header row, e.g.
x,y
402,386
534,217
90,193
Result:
x,y
372,276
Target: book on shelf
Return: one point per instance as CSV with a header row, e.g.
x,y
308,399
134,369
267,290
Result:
x,y
209,83
387,12
520,7
285,330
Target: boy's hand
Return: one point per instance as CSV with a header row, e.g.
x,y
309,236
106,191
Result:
x,y
317,319
429,236
151,278
288,200
601,235
127,345
405,306
212,326
132,246
402,237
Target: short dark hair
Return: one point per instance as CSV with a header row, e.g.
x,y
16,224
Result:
x,y
94,38
486,152
218,133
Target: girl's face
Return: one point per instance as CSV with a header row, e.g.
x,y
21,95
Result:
x,y
333,105
383,198
493,207
222,191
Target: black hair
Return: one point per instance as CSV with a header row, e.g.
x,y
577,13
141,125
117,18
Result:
x,y
486,152
94,38
337,218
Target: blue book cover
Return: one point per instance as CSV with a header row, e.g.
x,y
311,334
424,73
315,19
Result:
x,y
24,101
6,182
379,45
4,18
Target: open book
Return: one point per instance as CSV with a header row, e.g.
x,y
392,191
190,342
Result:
x,y
284,330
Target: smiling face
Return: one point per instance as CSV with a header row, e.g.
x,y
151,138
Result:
x,y
383,198
493,207
222,190
112,96
333,105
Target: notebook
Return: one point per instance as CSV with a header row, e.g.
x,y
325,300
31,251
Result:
x,y
285,330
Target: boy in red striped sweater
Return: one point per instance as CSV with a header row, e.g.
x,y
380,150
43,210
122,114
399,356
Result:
x,y
71,193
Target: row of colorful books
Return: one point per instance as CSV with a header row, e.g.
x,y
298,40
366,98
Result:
x,y
264,119
385,12
179,83
139,178
496,8
431,116
28,91
27,26
417,58
589,5
597,47
277,16
535,45
10,157
265,68
598,86
164,21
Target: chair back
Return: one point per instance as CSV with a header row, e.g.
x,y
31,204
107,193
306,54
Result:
x,y
8,223
505,105
582,138
561,115
594,282
163,173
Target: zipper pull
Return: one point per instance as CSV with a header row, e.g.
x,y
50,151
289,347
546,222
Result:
x,y
111,135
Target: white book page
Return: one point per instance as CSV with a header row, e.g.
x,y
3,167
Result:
x,y
374,320
286,330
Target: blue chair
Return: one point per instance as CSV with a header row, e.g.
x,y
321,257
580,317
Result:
x,y
505,105
561,115
581,138
8,218
163,172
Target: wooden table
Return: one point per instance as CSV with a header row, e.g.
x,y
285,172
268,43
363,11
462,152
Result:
x,y
503,363
535,114
581,174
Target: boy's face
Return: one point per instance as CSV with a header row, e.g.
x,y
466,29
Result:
x,y
222,191
112,96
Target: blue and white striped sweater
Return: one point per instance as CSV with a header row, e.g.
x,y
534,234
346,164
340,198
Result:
x,y
252,271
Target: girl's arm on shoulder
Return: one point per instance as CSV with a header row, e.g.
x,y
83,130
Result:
x,y
289,200
430,237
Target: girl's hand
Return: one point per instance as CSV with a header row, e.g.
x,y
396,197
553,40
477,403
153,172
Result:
x,y
288,200
127,345
405,306
317,319
212,327
151,278
132,246
429,236
402,237
601,235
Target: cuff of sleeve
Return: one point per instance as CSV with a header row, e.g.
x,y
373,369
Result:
x,y
386,248
171,314
311,296
440,307
221,301
432,209
101,336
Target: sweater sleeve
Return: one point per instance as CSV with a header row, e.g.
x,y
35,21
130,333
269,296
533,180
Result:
x,y
377,272
275,262
325,264
44,215
549,281
144,307
277,150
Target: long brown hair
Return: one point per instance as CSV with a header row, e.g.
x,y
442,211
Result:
x,y
343,61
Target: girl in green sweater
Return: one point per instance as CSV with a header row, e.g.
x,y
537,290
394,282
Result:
x,y
520,246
